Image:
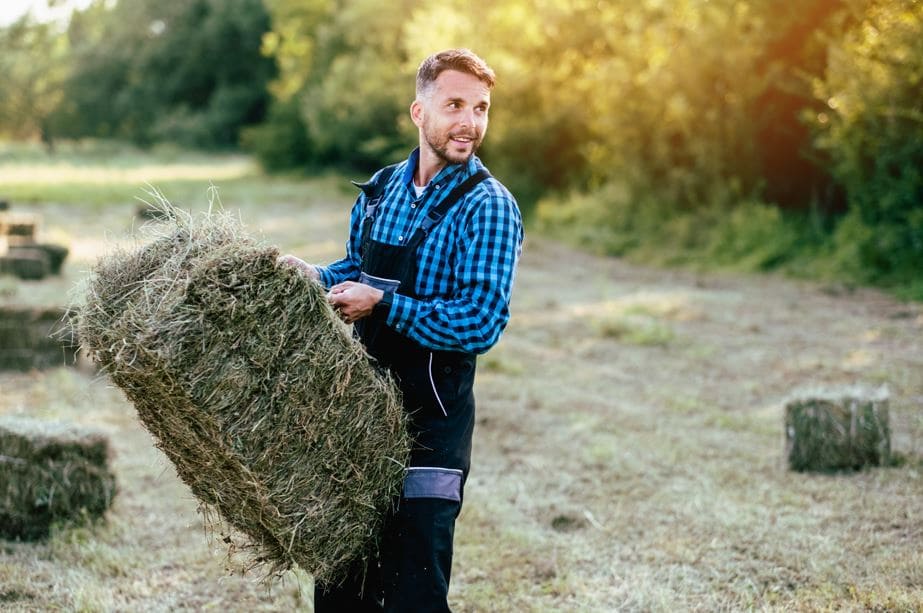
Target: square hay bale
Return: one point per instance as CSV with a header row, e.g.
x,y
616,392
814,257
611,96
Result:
x,y
266,405
54,254
836,430
27,263
35,337
51,472
21,225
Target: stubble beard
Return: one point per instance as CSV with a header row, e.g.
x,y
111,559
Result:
x,y
440,146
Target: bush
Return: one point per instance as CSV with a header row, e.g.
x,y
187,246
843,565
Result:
x,y
617,221
606,220
872,129
281,142
755,236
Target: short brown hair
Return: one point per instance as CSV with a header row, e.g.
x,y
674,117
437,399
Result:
x,y
462,60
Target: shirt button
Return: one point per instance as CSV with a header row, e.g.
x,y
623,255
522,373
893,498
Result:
x,y
413,205
400,239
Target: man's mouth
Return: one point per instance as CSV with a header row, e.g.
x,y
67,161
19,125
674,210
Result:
x,y
462,139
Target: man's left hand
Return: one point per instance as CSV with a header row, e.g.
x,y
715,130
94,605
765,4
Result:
x,y
354,300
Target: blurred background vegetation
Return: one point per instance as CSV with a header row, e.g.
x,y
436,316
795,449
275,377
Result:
x,y
748,134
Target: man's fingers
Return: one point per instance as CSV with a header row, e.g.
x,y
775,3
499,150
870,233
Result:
x,y
335,298
339,288
352,300
290,260
306,269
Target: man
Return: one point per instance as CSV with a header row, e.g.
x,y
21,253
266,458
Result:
x,y
429,266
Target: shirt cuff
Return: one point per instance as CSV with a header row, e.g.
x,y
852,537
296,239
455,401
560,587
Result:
x,y
384,305
401,313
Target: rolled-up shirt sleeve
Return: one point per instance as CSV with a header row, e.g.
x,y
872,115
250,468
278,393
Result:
x,y
474,316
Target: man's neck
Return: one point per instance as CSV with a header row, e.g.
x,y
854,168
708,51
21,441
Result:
x,y
428,166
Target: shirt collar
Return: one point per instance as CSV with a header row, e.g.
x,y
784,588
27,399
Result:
x,y
470,167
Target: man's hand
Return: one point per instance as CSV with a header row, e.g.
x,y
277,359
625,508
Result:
x,y
306,269
354,300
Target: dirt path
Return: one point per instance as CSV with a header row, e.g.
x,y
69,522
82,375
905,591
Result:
x,y
628,452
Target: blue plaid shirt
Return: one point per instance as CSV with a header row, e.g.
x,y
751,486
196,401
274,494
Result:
x,y
465,266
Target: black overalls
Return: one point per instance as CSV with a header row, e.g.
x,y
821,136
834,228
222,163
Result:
x,y
416,544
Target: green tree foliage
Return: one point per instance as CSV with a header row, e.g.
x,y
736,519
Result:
x,y
667,96
714,126
346,64
33,65
872,128
281,141
188,71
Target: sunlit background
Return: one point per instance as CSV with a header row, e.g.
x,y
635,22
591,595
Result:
x,y
667,155
40,10
736,133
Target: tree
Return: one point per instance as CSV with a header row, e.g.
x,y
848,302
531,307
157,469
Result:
x,y
346,64
33,62
871,125
185,71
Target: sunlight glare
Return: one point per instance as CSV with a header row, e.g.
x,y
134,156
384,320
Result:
x,y
41,10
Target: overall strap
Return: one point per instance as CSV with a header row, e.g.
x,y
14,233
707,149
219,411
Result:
x,y
373,190
436,215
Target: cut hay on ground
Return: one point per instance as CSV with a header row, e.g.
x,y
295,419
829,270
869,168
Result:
x,y
268,408
50,472
836,430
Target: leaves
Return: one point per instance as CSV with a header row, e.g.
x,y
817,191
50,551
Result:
x,y
187,72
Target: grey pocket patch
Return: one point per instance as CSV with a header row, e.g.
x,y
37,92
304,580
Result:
x,y
385,285
426,482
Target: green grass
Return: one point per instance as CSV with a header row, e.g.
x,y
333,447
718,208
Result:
x,y
642,331
102,174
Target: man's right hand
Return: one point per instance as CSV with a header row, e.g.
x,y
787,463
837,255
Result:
x,y
306,269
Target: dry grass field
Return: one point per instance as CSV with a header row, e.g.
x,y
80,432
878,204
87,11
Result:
x,y
628,452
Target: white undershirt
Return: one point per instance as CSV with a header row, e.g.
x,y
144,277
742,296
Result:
x,y
418,190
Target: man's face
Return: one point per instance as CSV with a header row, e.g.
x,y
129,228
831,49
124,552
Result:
x,y
452,116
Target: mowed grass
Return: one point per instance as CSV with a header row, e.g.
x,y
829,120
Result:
x,y
87,197
628,451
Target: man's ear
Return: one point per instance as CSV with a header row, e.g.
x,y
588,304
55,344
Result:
x,y
416,113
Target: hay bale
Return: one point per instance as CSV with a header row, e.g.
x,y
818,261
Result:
x,y
54,254
34,337
27,263
20,225
146,211
50,472
268,408
836,430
